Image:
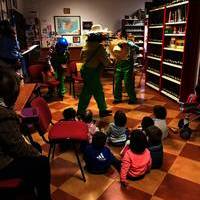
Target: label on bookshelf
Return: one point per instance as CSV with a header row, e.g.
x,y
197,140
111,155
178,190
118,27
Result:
x,y
175,34
157,9
180,3
173,65
176,23
154,58
171,79
158,43
153,72
155,26
174,49
153,85
168,94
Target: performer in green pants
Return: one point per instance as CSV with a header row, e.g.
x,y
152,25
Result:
x,y
94,57
124,71
59,60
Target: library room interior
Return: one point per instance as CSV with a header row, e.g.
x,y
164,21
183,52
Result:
x,y
99,100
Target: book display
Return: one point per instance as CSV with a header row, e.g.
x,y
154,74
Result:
x,y
168,49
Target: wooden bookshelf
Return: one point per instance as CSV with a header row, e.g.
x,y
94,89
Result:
x,y
171,62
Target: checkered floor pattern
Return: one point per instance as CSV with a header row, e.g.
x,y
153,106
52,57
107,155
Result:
x,y
179,178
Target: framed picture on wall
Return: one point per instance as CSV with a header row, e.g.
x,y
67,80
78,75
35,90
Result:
x,y
87,25
76,39
67,25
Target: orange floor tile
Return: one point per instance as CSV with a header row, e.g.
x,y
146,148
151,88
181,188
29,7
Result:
x,y
178,179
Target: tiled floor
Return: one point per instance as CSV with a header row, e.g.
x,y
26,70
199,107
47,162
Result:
x,y
178,179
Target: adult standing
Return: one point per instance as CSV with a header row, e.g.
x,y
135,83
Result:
x,y
10,55
94,58
124,70
59,61
18,159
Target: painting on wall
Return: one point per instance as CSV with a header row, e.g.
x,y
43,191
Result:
x,y
76,39
87,25
67,25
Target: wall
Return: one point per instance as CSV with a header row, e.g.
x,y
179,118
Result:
x,y
105,12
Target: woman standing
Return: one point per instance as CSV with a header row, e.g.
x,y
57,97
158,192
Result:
x,y
94,58
10,55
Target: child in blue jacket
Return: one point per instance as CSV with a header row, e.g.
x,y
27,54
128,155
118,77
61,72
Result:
x,y
98,158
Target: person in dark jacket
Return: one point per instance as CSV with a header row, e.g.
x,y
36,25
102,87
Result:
x,y
10,53
154,135
98,158
18,159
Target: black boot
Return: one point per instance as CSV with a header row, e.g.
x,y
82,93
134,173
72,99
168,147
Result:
x,y
105,113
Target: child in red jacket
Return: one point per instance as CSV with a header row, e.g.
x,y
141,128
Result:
x,y
136,161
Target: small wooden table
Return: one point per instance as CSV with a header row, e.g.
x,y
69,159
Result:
x,y
26,91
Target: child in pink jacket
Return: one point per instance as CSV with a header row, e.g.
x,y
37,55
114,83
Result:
x,y
136,161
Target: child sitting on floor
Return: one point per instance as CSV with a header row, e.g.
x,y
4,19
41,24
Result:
x,y
98,158
154,135
92,128
146,122
117,131
160,114
69,114
136,161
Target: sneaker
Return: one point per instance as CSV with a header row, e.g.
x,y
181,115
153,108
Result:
x,y
105,113
117,101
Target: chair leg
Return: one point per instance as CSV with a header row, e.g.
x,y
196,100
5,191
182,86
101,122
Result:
x,y
50,149
74,92
54,147
113,84
79,162
70,87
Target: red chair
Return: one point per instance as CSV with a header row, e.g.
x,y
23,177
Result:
x,y
74,77
61,131
35,73
8,184
50,81
44,115
68,130
9,188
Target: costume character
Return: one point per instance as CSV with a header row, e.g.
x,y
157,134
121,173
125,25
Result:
x,y
59,60
123,51
94,58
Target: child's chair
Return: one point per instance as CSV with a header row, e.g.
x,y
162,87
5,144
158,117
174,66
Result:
x,y
59,132
74,77
35,73
50,81
191,110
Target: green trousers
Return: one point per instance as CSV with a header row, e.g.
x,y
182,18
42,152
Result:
x,y
124,71
61,87
92,87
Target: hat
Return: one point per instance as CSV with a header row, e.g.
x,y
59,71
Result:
x,y
97,28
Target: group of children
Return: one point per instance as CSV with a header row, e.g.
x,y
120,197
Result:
x,y
142,148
